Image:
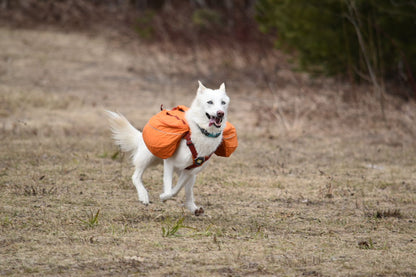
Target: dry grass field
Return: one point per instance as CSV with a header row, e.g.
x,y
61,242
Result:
x,y
320,185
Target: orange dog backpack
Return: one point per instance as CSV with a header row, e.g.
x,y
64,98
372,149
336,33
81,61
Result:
x,y
164,131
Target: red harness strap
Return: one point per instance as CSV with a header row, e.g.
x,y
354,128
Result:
x,y
198,161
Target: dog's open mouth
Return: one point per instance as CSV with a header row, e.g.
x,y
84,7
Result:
x,y
214,120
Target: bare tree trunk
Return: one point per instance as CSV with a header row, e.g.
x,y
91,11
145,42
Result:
x,y
5,4
353,17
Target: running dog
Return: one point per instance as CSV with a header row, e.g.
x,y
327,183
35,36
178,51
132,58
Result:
x,y
205,120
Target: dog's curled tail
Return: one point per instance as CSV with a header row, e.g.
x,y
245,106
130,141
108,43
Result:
x,y
124,134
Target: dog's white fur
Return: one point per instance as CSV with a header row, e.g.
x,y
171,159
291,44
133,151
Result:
x,y
207,101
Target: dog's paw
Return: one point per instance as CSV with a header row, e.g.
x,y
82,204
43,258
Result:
x,y
165,196
143,196
199,211
145,202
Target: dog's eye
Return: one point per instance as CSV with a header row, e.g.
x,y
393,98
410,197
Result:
x,y
223,103
210,102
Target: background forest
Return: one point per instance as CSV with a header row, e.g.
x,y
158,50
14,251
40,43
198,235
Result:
x,y
371,41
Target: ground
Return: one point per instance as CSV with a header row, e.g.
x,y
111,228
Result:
x,y
321,184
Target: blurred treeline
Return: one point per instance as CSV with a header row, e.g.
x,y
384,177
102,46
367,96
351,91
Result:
x,y
177,21
371,40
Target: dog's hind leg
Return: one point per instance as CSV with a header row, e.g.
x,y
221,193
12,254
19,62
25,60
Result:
x,y
142,160
141,190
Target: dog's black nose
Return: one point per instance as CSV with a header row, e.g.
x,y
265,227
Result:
x,y
220,114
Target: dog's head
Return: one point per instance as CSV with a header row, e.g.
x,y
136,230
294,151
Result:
x,y
210,107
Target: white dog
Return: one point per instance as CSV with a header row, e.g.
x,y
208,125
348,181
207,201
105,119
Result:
x,y
206,118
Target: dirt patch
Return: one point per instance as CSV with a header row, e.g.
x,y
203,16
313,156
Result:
x,y
315,187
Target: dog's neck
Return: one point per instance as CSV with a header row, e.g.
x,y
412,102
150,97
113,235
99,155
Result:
x,y
208,134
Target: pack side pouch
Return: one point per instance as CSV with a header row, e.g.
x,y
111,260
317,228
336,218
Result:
x,y
164,131
229,141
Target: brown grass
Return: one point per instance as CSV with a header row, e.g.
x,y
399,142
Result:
x,y
301,196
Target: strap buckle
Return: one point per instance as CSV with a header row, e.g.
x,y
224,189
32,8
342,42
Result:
x,y
200,160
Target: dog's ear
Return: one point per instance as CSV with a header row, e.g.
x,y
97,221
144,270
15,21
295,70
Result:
x,y
201,87
222,87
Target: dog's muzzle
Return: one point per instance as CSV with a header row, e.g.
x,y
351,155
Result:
x,y
215,120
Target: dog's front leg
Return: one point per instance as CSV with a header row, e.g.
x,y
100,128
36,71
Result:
x,y
182,180
189,194
167,178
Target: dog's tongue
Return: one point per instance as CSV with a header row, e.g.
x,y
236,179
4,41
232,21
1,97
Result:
x,y
215,121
